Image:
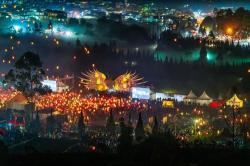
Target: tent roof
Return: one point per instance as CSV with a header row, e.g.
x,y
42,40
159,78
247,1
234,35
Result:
x,y
235,101
234,98
191,95
204,96
19,98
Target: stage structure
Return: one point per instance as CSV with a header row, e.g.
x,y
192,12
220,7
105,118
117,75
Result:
x,y
96,80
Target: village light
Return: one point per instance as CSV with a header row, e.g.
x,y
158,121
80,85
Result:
x,y
229,31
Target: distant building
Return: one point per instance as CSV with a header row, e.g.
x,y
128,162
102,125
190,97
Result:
x,y
55,15
56,85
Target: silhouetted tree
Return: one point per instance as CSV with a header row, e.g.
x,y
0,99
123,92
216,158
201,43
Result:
x,y
81,126
125,139
40,26
78,42
203,54
51,124
130,120
110,126
35,126
36,27
139,130
27,74
211,35
155,129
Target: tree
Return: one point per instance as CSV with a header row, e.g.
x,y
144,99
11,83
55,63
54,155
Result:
x,y
139,130
40,26
130,124
36,27
125,139
220,56
202,30
110,126
155,127
51,124
35,125
211,35
203,54
81,126
27,74
78,42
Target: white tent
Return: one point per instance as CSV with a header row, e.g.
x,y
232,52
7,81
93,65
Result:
x,y
204,99
190,98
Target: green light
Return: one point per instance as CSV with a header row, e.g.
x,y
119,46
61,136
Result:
x,y
160,55
209,57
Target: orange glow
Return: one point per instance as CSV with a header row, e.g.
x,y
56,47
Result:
x,y
72,104
229,31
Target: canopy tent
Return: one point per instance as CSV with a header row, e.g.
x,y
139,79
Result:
x,y
235,102
190,98
18,102
204,99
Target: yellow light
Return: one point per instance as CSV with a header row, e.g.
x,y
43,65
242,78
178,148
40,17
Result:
x,y
103,76
96,75
98,81
165,119
196,121
167,104
229,31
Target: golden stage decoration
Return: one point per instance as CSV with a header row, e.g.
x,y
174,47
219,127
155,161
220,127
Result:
x,y
96,80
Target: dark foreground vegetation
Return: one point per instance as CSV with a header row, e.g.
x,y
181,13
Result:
x,y
145,154
157,149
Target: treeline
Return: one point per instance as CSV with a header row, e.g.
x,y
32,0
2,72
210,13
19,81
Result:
x,y
223,49
114,60
113,29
